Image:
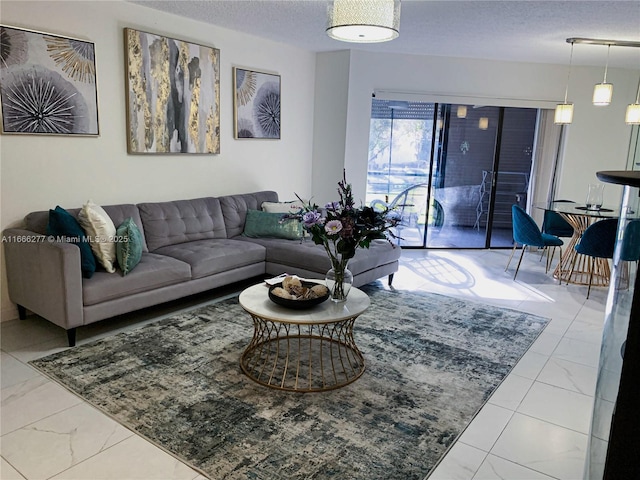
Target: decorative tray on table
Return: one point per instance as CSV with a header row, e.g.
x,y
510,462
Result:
x,y
298,294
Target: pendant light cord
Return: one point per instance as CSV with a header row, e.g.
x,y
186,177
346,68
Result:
x,y
566,92
606,65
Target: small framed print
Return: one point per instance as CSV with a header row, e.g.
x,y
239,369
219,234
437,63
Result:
x,y
47,84
256,101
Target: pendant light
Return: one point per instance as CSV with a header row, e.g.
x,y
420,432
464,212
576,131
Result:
x,y
363,21
564,111
632,116
603,92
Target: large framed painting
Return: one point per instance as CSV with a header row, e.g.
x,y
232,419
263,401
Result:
x,y
256,102
47,84
173,95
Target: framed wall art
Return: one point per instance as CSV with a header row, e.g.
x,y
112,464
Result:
x,y
47,84
256,101
173,95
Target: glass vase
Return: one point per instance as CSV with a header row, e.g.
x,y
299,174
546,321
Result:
x,y
339,280
594,196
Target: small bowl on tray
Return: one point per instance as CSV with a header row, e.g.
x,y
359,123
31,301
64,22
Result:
x,y
295,304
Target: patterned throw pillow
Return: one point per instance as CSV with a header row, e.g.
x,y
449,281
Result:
x,y
263,224
128,245
64,227
282,207
101,231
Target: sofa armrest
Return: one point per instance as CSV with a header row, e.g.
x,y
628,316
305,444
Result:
x,y
44,276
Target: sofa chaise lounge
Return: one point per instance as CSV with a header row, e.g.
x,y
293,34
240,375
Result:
x,y
188,246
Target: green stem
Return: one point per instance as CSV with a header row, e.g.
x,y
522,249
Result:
x,y
339,265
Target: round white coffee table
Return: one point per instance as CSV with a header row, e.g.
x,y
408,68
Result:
x,y
302,350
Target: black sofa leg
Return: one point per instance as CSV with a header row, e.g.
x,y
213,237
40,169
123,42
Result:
x,y
71,336
391,279
22,312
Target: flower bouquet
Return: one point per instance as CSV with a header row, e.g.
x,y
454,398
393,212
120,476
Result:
x,y
341,230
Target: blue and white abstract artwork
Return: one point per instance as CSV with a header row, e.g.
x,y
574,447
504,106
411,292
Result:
x,y
257,104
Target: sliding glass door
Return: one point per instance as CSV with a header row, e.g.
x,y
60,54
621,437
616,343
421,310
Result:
x,y
455,191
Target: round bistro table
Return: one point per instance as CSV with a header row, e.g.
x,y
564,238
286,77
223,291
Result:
x,y
574,267
302,350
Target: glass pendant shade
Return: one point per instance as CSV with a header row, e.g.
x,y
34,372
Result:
x,y
363,21
564,114
602,93
461,112
483,123
632,116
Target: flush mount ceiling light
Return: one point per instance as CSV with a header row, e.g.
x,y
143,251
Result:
x,y
564,111
363,21
603,92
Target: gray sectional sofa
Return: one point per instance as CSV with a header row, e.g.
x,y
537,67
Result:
x,y
189,246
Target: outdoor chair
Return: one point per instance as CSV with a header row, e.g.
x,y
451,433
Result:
x,y
527,233
408,207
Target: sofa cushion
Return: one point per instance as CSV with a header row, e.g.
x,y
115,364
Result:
x,y
208,257
293,206
234,209
128,246
63,224
153,271
37,221
102,232
119,213
170,223
307,255
263,224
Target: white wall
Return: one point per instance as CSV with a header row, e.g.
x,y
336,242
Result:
x,y
40,172
330,127
597,140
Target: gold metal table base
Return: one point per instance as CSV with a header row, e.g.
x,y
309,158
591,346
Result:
x,y
582,265
302,357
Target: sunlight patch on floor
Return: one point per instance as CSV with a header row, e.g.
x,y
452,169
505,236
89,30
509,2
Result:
x,y
466,275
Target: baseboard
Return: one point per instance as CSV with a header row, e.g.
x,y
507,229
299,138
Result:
x,y
9,313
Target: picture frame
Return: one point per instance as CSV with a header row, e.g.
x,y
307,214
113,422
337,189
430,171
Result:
x,y
48,84
173,95
256,104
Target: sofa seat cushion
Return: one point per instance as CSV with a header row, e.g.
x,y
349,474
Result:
x,y
208,257
153,271
307,255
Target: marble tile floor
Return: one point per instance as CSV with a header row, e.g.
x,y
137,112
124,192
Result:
x,y
534,426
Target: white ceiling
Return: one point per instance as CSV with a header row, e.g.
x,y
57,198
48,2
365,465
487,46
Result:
x,y
522,30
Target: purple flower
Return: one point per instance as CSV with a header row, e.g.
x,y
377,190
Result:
x,y
310,218
332,227
332,206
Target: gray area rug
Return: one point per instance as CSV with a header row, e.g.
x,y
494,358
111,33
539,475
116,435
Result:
x,y
432,362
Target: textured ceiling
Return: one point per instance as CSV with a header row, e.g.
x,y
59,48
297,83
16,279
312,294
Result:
x,y
523,30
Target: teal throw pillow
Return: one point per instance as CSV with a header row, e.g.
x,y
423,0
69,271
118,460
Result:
x,y
263,224
128,245
65,227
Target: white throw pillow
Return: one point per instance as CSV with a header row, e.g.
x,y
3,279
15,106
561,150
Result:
x,y
102,232
282,207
